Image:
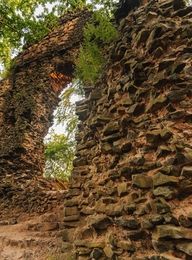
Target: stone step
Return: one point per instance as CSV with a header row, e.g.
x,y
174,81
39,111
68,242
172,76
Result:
x,y
26,242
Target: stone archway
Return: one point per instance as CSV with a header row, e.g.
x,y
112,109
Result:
x,y
28,99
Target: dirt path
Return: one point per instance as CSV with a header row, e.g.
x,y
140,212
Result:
x,y
31,237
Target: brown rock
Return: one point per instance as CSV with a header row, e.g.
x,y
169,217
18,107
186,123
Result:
x,y
108,252
142,181
100,222
50,226
122,189
170,231
126,245
69,211
185,247
162,179
71,218
187,171
166,192
111,128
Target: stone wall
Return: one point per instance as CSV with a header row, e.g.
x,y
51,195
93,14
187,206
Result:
x,y
27,101
130,194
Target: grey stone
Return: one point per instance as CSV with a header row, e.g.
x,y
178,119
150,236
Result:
x,y
157,219
142,181
66,246
162,246
189,215
108,251
137,235
185,247
71,218
162,207
146,224
126,245
166,192
111,128
114,210
162,179
156,136
122,189
69,211
96,253
170,219
187,171
100,222
128,223
130,208
170,231
89,244
184,221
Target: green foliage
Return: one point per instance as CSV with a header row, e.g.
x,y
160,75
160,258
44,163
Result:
x,y
97,34
65,114
59,155
60,148
20,25
23,22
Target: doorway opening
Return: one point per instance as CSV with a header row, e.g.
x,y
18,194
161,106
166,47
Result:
x,y
60,144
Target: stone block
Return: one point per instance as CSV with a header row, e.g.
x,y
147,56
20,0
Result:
x,y
142,181
122,189
100,222
187,171
166,192
185,247
69,211
170,231
162,179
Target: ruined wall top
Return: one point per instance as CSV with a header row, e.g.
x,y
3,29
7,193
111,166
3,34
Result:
x,y
30,95
67,34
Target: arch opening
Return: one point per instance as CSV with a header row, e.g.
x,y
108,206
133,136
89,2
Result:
x,y
59,142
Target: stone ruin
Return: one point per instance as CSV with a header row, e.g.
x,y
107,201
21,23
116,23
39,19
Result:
x,y
27,101
130,194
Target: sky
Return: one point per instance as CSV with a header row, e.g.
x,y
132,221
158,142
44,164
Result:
x,y
60,128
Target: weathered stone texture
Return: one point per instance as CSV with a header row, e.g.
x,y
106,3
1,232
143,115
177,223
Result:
x,y
27,101
134,149
130,193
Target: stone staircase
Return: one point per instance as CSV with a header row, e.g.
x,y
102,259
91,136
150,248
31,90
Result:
x,y
32,237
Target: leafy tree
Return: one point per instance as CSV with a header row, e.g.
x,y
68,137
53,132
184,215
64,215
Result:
x,y
59,154
19,25
97,34
23,22
60,149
